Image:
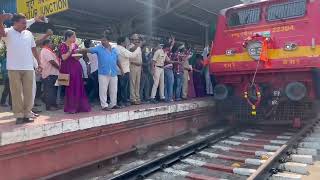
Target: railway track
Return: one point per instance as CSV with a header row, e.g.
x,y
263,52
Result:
x,y
236,153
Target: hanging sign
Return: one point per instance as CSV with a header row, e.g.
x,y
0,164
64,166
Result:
x,y
32,8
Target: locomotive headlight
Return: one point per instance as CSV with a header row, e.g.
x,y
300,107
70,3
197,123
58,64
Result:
x,y
290,46
254,49
230,52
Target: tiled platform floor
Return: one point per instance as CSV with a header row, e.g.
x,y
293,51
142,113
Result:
x,y
53,123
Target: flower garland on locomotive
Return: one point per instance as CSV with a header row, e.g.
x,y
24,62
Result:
x,y
266,43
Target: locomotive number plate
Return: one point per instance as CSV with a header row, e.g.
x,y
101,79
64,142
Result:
x,y
291,61
283,28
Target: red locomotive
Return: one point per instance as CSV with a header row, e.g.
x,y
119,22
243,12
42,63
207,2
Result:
x,y
265,58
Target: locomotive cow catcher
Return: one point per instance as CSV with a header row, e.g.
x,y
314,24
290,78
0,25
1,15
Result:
x,y
266,60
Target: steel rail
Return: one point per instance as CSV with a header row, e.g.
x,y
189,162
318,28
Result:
x,y
155,165
267,169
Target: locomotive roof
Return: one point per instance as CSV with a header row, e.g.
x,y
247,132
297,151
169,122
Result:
x,y
223,11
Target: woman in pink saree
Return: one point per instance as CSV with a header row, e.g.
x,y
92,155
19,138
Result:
x,y
75,96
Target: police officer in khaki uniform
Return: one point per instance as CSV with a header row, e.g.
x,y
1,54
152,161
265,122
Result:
x,y
158,59
135,71
186,69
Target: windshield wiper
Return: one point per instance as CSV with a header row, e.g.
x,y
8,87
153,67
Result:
x,y
281,19
247,18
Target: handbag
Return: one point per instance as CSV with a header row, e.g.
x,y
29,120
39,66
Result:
x,y
63,79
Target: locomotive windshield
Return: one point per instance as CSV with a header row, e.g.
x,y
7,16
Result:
x,y
244,17
288,10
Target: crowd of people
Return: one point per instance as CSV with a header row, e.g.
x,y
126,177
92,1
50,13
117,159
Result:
x,y
129,73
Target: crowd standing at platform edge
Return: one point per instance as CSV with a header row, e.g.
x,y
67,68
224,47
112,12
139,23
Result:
x,y
129,73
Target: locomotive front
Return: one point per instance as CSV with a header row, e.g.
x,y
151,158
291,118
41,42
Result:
x,y
265,58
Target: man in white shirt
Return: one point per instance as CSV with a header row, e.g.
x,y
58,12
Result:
x,y
85,73
93,83
124,56
37,76
21,48
85,69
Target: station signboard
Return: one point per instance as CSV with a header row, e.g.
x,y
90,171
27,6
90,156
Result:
x,y
32,8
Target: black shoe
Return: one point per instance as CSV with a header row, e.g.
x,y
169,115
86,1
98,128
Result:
x,y
153,101
37,105
35,110
28,120
136,103
52,108
4,105
106,109
122,105
35,114
145,102
116,107
19,120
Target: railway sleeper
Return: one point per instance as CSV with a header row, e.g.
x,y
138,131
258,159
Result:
x,y
307,159
282,136
258,131
311,145
286,176
241,138
265,147
299,168
189,175
241,151
217,167
311,139
306,151
256,162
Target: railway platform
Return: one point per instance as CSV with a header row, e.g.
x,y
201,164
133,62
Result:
x,y
57,142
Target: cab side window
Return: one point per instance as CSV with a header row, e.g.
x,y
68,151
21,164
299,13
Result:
x,y
288,10
244,17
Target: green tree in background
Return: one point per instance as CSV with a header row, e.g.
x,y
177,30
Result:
x,y
3,50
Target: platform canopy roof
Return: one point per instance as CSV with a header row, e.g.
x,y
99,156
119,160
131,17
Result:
x,y
187,20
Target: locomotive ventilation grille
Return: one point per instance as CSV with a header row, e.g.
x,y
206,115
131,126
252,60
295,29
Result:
x,y
238,109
